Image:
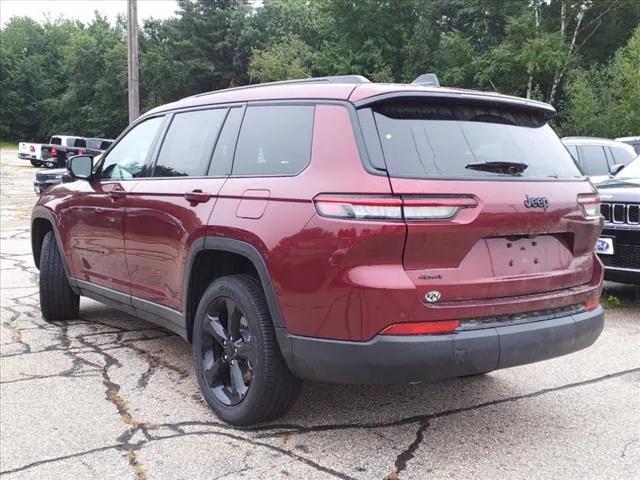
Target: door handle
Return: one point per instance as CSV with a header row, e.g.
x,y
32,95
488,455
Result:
x,y
197,196
119,193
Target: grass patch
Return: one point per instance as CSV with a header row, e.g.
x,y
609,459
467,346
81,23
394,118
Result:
x,y
9,145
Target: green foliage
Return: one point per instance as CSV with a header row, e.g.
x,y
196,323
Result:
x,y
66,77
605,101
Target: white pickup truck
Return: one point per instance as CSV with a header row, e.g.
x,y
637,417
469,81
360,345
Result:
x,y
31,152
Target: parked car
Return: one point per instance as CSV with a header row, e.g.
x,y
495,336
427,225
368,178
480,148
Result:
x,y
31,152
597,157
50,177
619,244
633,141
57,153
332,229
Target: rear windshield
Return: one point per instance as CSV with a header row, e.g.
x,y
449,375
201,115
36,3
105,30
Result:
x,y
431,140
56,141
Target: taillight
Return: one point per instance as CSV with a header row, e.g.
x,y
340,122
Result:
x,y
592,303
80,152
590,205
380,207
435,208
359,208
54,152
32,148
421,328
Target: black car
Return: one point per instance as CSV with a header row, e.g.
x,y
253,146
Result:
x,y
619,243
50,177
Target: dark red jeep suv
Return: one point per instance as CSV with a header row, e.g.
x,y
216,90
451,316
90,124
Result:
x,y
332,229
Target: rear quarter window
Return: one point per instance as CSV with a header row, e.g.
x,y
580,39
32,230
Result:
x,y
274,140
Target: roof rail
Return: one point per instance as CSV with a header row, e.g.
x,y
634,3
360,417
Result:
x,y
333,79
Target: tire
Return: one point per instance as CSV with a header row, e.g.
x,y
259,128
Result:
x,y
36,163
272,388
57,300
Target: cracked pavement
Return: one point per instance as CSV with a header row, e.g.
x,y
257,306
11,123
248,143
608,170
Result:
x,y
109,396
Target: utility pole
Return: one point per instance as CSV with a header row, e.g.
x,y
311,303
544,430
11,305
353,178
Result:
x,y
132,44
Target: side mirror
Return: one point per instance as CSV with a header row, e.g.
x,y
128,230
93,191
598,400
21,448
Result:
x,y
616,168
80,166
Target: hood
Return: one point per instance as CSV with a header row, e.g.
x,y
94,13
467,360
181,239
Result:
x,y
620,190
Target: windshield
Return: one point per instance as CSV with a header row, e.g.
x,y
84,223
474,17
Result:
x,y
426,140
630,171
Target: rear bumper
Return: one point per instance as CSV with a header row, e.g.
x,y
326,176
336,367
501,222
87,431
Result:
x,y
404,359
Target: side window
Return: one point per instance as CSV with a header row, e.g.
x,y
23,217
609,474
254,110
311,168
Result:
x,y
274,140
56,141
594,161
127,158
573,150
187,147
223,155
621,156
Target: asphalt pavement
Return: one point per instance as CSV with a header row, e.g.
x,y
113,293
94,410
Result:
x,y
109,396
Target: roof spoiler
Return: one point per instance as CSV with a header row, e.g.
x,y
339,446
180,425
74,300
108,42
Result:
x,y
427,79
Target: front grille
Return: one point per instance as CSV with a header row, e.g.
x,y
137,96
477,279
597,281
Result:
x,y
624,256
628,213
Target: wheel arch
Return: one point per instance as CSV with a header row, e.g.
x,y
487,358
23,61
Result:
x,y
42,222
234,256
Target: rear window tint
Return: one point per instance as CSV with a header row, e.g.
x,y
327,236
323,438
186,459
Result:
x,y
188,145
56,141
593,160
431,140
274,140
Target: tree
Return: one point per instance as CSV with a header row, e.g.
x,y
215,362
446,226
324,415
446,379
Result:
x,y
289,58
606,101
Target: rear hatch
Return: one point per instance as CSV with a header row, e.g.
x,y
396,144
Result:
x,y
494,204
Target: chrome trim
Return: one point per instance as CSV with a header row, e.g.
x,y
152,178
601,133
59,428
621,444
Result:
x,y
629,207
621,269
613,212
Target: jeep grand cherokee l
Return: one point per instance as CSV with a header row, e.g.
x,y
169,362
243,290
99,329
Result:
x,y
332,229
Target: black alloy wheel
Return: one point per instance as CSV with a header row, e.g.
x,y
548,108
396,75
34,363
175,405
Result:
x,y
227,351
239,367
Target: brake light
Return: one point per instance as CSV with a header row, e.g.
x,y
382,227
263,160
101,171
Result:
x,y
421,328
80,152
359,208
54,152
32,148
592,303
380,207
435,208
590,205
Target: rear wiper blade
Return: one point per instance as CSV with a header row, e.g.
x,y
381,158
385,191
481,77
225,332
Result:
x,y
507,168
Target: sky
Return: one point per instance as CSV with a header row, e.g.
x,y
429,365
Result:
x,y
83,10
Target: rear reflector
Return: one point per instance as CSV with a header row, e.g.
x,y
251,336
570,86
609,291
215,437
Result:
x,y
591,304
390,207
421,328
590,204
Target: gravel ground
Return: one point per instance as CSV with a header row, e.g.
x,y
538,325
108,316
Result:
x,y
109,396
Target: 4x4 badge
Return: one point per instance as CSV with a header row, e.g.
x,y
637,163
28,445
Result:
x,y
536,202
